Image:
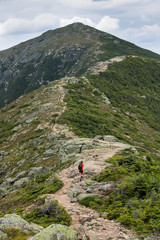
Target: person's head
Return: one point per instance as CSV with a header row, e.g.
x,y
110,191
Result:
x,y
81,162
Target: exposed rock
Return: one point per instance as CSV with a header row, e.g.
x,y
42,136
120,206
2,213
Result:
x,y
53,137
8,183
69,148
89,190
11,221
21,162
56,232
107,138
21,174
91,235
110,138
74,192
89,182
3,192
20,183
84,218
37,171
106,188
35,141
3,235
50,152
3,169
73,200
3,154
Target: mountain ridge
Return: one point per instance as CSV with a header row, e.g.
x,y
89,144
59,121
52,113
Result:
x,y
112,110
68,51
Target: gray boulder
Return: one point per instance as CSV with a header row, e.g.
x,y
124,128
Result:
x,y
110,138
13,221
74,192
50,152
37,171
107,188
21,174
69,148
8,183
56,232
3,192
20,183
3,154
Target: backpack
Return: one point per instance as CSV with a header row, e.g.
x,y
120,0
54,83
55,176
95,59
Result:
x,y
79,167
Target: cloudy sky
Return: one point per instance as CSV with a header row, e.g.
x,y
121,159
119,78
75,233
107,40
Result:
x,y
137,21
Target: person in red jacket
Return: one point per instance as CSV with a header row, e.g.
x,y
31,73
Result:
x,y
81,169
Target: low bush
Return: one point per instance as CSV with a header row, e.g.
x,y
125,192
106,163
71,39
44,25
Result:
x,y
49,213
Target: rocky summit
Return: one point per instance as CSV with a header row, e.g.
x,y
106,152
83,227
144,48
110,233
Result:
x,y
96,105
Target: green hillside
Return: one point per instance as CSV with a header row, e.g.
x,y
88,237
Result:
x,y
67,51
133,89
122,101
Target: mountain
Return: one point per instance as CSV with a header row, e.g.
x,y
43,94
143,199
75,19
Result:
x,y
105,112
67,51
109,119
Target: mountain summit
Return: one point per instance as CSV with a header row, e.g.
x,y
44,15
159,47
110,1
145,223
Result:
x,y
67,51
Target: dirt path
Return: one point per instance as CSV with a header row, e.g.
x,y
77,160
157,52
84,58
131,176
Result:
x,y
85,220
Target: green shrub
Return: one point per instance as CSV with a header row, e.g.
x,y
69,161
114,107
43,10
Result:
x,y
38,187
136,198
49,213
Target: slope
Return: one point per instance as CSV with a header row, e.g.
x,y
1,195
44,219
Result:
x,y
39,139
67,51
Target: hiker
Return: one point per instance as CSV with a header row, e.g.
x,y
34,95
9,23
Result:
x,y
80,168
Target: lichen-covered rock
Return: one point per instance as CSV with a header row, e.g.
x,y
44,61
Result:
x,y
37,171
20,183
74,192
3,235
8,183
110,138
21,174
3,192
89,182
56,232
13,221
3,154
50,152
107,188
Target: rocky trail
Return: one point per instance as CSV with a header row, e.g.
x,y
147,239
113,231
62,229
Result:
x,y
86,221
89,224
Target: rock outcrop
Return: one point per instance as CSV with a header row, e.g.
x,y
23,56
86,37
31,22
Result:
x,y
14,221
56,232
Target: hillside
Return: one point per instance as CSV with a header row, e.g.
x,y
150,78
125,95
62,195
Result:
x,y
107,118
67,51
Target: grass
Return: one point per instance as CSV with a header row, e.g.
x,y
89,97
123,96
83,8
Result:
x,y
16,234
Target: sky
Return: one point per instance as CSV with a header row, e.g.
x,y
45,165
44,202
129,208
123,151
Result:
x,y
137,21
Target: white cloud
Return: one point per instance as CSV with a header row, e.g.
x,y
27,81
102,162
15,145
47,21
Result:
x,y
146,36
134,20
64,22
105,24
145,33
108,24
21,25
